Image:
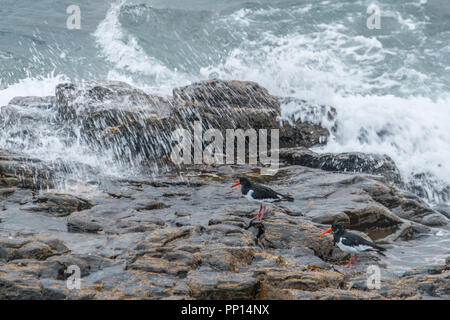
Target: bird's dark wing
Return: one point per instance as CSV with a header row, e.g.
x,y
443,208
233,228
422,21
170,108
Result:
x,y
350,239
263,192
354,240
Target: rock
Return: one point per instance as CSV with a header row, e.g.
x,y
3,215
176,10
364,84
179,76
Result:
x,y
19,285
435,220
311,119
157,238
162,237
339,197
129,246
116,220
114,116
281,234
34,250
57,205
34,102
227,258
140,126
406,205
429,186
152,205
231,235
345,295
425,282
19,119
82,223
305,281
120,284
344,162
88,264
443,209
226,105
207,285
157,265
222,104
39,248
305,134
359,202
103,96
8,248
54,290
16,195
24,172
226,94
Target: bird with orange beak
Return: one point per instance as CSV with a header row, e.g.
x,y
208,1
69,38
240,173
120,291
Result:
x,y
351,243
258,193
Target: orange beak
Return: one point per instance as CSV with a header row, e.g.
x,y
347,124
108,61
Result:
x,y
235,185
326,231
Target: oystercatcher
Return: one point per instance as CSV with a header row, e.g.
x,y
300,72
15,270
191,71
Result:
x,y
351,243
255,192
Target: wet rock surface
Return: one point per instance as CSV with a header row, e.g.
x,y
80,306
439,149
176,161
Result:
x,y
19,171
344,162
185,234
147,239
117,117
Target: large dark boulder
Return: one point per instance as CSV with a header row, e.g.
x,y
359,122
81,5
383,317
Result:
x,y
232,104
21,121
114,116
21,171
134,125
355,162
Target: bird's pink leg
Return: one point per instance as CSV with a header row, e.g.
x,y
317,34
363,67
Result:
x,y
356,261
262,215
350,262
257,217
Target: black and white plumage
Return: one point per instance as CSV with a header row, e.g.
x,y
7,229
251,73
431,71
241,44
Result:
x,y
351,243
255,192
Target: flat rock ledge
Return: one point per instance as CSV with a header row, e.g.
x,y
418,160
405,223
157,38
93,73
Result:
x,y
192,237
159,239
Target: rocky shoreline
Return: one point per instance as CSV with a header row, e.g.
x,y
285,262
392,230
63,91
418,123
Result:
x,y
184,234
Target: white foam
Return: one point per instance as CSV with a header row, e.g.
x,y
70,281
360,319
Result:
x,y
413,131
51,145
240,16
304,9
39,87
305,62
123,50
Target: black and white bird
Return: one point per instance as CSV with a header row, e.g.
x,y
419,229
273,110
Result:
x,y
351,243
263,195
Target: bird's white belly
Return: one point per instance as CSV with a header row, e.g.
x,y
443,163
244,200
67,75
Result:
x,y
249,197
351,249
